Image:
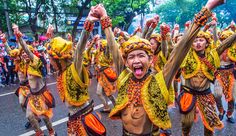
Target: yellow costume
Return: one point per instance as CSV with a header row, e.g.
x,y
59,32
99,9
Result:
x,y
154,102
41,102
105,73
193,64
190,98
73,90
152,93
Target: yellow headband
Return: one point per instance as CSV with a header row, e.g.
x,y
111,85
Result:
x,y
14,53
103,43
59,48
136,43
156,36
205,35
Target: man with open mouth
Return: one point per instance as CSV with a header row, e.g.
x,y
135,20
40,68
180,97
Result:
x,y
143,97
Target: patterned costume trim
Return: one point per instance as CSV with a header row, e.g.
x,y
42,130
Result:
x,y
192,64
209,117
87,58
38,103
73,89
122,98
24,90
23,67
109,87
226,80
86,125
205,103
154,102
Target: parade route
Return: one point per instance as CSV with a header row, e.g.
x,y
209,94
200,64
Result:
x,y
12,119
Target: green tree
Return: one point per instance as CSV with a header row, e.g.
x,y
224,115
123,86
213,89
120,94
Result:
x,y
11,4
77,7
180,11
122,12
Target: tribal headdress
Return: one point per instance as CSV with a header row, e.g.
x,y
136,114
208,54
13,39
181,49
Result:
x,y
59,48
205,35
14,53
157,37
136,43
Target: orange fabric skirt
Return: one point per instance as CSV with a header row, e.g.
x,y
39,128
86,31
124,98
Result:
x,y
42,104
205,102
226,80
86,125
23,90
108,87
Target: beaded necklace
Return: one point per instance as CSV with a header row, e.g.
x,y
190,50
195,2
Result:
x,y
134,91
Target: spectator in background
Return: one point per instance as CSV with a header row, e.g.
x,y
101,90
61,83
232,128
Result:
x,y
2,68
10,67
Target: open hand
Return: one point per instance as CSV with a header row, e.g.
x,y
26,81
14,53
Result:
x,y
153,21
164,28
50,30
93,16
100,11
16,31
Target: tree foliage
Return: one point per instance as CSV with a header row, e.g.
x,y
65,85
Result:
x,y
122,12
180,11
13,16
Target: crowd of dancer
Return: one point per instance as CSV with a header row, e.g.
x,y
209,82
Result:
x,y
144,68
8,74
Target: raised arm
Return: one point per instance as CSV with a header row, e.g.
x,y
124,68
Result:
x,y
4,41
180,51
137,31
113,46
80,47
24,46
226,44
215,37
118,32
49,33
151,24
165,29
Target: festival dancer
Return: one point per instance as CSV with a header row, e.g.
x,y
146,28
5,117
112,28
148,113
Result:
x,y
225,79
198,70
40,100
21,65
73,82
143,98
106,76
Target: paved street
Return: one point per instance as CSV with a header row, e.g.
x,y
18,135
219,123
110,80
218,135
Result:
x,y
12,119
